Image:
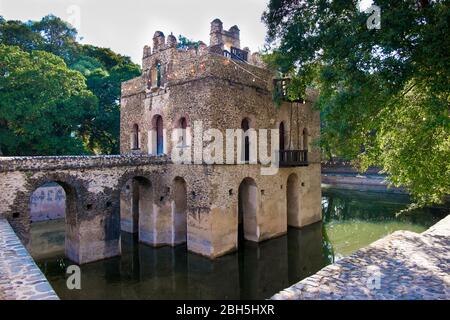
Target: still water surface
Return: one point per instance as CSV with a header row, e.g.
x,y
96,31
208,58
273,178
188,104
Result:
x,y
351,220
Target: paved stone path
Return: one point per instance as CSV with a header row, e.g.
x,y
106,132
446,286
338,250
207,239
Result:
x,y
20,277
401,266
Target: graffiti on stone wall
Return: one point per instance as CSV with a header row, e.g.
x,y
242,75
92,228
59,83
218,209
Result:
x,y
48,203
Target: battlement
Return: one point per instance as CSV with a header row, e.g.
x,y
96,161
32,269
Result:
x,y
222,42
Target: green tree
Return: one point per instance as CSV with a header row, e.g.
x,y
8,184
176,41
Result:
x,y
185,43
103,69
384,93
42,104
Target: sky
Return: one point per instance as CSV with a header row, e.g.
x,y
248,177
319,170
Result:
x,y
126,26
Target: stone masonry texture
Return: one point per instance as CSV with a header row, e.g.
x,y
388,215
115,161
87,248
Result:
x,y
401,266
20,277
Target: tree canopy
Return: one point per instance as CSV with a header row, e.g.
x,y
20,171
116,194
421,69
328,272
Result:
x,y
42,104
100,70
384,93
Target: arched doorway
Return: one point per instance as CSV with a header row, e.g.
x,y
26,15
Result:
x,y
52,218
292,200
245,126
179,211
136,204
247,209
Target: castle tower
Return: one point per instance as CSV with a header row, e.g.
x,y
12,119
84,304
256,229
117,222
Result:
x,y
216,33
159,41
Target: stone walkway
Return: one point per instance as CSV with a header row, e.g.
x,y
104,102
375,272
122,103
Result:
x,y
20,277
401,266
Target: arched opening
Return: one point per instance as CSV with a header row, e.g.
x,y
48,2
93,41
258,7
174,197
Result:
x,y
245,126
156,75
136,204
282,133
305,139
158,135
135,137
292,200
247,210
52,221
179,211
183,127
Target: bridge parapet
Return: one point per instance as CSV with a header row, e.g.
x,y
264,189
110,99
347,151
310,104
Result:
x,y
8,164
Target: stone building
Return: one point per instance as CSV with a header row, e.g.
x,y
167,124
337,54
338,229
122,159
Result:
x,y
194,167
168,110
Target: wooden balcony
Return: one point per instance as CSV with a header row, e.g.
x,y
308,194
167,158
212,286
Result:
x,y
293,158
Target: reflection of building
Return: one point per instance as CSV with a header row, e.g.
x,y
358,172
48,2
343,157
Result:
x,y
223,87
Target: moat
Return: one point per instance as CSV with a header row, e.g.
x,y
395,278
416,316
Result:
x,y
351,220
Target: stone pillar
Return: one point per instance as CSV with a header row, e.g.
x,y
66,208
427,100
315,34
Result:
x,y
216,33
235,35
171,41
159,41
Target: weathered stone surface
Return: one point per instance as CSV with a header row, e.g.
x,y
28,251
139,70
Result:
x,y
20,277
402,266
195,85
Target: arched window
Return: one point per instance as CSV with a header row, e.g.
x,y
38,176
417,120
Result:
x,y
282,136
245,126
305,139
159,135
156,75
135,138
183,127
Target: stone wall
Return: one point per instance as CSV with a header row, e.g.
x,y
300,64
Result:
x,y
20,277
402,266
93,188
48,203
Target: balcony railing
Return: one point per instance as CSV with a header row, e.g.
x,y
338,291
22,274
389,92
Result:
x,y
236,54
293,158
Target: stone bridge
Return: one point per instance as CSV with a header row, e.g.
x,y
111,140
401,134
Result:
x,y
93,188
164,203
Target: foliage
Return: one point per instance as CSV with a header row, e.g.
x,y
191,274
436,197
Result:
x,y
42,104
101,68
384,94
185,43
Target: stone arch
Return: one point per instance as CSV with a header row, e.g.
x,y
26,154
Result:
x,y
73,210
182,136
156,76
179,211
157,139
136,204
292,199
248,205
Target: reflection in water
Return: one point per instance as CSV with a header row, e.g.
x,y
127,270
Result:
x,y
142,272
351,220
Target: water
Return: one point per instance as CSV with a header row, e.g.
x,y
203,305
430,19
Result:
x,y
351,220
